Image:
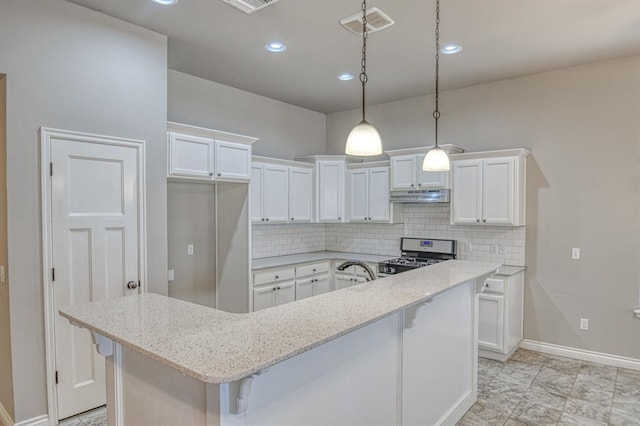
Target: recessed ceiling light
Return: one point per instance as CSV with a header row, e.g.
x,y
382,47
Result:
x,y
345,76
450,49
166,2
275,46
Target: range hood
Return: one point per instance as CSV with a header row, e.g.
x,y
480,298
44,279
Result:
x,y
420,196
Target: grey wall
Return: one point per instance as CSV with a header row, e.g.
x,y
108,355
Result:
x,y
71,68
285,131
582,127
191,220
6,383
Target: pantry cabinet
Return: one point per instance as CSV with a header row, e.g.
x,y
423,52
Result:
x,y
207,154
489,188
407,173
500,315
281,191
368,194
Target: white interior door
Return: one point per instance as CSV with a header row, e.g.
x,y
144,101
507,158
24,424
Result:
x,y
95,252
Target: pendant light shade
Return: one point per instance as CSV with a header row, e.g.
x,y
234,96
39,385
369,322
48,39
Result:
x,y
436,160
364,140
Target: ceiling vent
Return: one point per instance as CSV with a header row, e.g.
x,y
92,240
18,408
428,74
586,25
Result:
x,y
376,20
250,6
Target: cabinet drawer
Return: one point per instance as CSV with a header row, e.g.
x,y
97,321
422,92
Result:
x,y
316,268
273,276
493,285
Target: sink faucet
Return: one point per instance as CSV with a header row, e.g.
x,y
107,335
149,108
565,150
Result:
x,y
370,273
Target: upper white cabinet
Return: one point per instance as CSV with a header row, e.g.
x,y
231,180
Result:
x,y
330,176
191,156
368,194
329,186
407,173
300,194
489,188
281,191
205,154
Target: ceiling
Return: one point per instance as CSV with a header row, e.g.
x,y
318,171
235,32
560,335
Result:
x,y
501,38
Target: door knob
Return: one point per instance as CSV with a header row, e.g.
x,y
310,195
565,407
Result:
x,y
132,285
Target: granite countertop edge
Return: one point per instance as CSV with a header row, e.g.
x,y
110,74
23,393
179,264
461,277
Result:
x,y
82,316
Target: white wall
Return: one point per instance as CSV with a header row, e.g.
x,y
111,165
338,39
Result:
x,y
582,127
285,131
71,68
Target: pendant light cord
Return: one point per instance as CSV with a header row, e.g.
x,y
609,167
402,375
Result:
x,y
363,62
436,113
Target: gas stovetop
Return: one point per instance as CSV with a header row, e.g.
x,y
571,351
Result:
x,y
417,253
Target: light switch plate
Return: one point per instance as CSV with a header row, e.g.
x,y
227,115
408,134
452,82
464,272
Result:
x,y
584,324
190,250
3,277
171,275
575,254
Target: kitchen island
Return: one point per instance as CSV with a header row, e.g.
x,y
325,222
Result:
x,y
398,350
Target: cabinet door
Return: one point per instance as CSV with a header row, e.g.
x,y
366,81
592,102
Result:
x,y
498,191
491,322
330,191
190,156
263,297
286,292
321,285
430,180
358,195
304,288
379,205
256,191
466,205
300,194
403,172
275,194
233,161
344,281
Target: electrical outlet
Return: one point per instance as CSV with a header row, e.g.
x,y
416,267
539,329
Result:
x,y
190,250
171,275
494,249
575,254
584,324
501,249
3,276
469,247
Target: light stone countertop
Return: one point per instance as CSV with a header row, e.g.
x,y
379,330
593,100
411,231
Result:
x,y
277,261
219,347
509,270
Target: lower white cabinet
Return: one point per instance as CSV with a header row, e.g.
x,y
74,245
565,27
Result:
x,y
312,286
348,280
273,295
500,318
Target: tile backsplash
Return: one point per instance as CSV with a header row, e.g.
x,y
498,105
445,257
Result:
x,y
483,243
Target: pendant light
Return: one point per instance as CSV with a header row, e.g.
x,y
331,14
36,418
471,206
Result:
x,y
364,139
436,159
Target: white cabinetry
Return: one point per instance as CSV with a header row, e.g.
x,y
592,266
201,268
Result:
x,y
500,313
368,194
330,177
300,194
312,280
489,188
281,191
407,173
273,287
206,154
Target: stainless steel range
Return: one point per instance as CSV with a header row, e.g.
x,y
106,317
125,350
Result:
x,y
416,253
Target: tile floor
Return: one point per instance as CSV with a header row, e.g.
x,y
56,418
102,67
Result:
x,y
97,417
538,389
530,389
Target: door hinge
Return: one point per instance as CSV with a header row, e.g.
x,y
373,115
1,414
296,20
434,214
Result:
x,y
50,169
56,377
53,274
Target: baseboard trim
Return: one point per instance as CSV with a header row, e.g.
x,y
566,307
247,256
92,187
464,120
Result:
x,y
42,420
582,354
5,418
